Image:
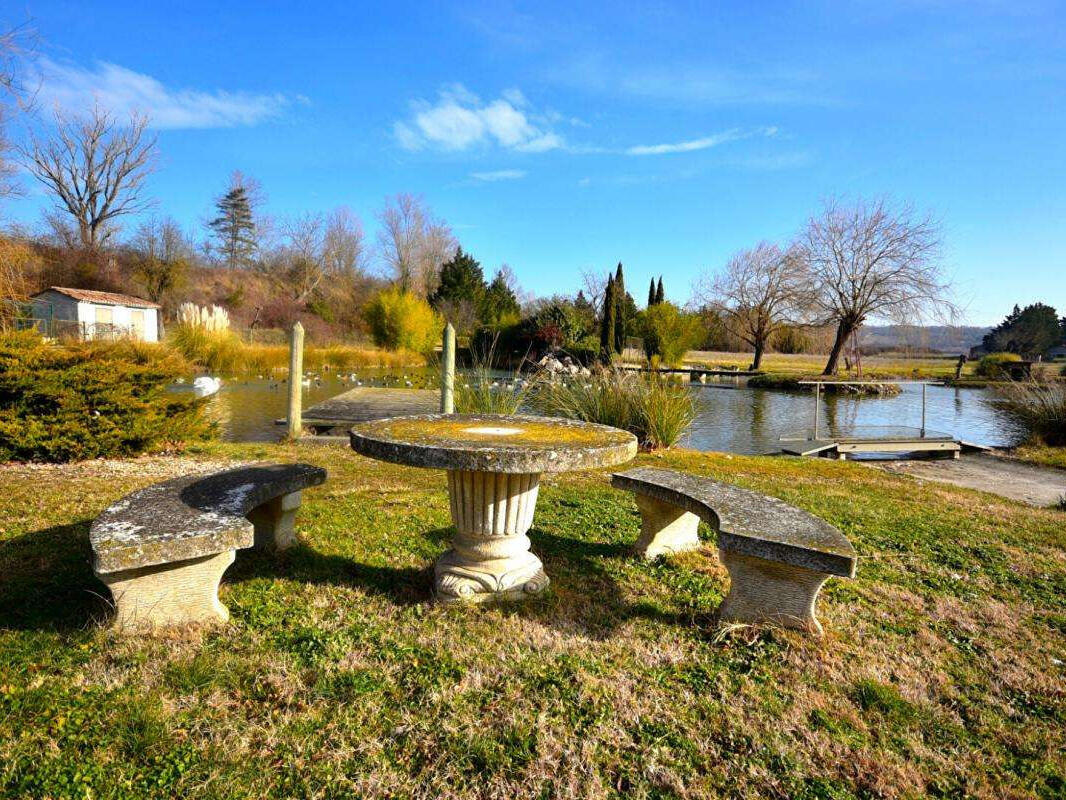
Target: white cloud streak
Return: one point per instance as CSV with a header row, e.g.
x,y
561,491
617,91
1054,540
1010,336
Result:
x,y
122,91
499,175
692,145
460,120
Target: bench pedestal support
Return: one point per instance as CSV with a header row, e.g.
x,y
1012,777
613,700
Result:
x,y
490,557
665,528
275,522
768,591
169,594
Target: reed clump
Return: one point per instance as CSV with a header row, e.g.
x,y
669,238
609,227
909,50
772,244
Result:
x,y
653,408
1039,409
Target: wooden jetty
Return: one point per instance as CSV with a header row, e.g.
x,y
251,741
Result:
x,y
366,403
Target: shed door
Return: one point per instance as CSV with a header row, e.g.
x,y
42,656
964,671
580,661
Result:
x,y
137,322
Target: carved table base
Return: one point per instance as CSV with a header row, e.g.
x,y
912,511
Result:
x,y
490,557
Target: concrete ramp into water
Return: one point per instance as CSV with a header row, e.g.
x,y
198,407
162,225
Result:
x,y
367,403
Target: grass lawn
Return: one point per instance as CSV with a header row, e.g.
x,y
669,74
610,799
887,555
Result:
x,y
941,673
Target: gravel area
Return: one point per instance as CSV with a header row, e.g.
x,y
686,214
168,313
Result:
x,y
1027,483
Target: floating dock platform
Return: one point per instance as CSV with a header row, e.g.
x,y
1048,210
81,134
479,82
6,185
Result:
x,y
876,439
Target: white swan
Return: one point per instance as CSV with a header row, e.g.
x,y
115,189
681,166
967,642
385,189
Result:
x,y
205,386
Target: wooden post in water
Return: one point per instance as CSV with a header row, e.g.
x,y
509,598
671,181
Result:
x,y
296,376
447,377
817,398
924,386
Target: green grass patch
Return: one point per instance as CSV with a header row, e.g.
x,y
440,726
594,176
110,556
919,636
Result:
x,y
940,674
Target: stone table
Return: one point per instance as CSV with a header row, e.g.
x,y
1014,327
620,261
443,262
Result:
x,y
494,464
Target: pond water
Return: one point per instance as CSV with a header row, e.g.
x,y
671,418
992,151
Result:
x,y
732,418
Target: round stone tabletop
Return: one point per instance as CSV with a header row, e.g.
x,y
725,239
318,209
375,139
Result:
x,y
493,443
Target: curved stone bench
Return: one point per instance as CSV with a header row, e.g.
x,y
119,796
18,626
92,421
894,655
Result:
x,y
778,556
162,550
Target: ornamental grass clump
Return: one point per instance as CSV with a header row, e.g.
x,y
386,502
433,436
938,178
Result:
x,y
91,400
667,409
1038,408
654,409
203,336
481,393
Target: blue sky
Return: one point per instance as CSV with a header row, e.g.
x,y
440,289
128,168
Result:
x,y
563,137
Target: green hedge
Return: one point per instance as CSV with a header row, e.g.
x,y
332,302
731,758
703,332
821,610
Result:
x,y
91,400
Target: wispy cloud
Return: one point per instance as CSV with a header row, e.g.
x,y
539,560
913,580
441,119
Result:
x,y
459,120
690,83
499,175
75,88
703,143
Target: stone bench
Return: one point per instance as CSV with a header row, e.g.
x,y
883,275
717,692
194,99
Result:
x,y
778,556
162,550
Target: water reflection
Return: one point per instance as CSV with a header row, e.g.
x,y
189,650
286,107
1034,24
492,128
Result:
x,y
731,418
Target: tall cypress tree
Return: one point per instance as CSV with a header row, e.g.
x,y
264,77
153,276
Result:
x,y
607,323
659,296
651,293
621,311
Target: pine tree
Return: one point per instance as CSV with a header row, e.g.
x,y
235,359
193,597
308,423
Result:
x,y
651,293
659,296
621,310
607,322
234,227
461,279
500,302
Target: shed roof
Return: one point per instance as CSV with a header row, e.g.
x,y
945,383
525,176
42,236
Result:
x,y
101,298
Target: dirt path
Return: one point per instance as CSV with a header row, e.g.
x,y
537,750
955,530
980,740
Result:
x,y
1027,483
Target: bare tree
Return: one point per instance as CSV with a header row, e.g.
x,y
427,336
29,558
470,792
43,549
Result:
x,y
758,293
413,244
594,283
14,97
873,259
95,170
162,254
298,263
343,247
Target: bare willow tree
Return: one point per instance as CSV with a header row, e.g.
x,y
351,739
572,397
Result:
x,y
873,259
414,244
162,255
759,292
95,170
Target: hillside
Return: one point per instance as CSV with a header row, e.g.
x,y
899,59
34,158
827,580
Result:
x,y
939,338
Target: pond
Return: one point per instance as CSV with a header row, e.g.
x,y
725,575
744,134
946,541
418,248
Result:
x,y
732,417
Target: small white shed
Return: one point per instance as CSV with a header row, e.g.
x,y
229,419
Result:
x,y
89,314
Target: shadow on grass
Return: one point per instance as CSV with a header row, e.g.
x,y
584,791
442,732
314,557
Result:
x,y
302,563
586,595
48,580
49,584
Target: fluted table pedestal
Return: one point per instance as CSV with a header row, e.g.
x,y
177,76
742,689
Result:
x,y
494,464
490,556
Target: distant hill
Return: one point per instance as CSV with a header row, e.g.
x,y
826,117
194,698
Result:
x,y
936,338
